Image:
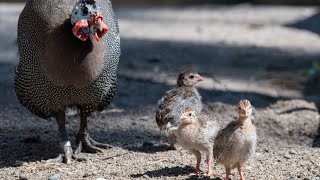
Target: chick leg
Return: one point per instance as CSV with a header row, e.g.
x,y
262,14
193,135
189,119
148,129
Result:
x,y
171,138
227,172
198,156
240,171
66,156
208,160
84,140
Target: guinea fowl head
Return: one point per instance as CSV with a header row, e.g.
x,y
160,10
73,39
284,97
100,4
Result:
x,y
87,19
244,108
188,116
188,79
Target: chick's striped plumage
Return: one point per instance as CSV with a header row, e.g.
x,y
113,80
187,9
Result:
x,y
184,95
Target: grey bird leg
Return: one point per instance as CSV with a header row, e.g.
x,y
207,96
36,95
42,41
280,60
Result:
x,y
66,148
84,140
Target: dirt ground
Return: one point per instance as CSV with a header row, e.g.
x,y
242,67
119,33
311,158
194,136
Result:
x,y
256,52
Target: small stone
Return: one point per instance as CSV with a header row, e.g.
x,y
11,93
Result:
x,y
54,177
20,163
146,176
287,156
60,170
94,173
87,174
148,143
23,177
144,118
133,123
291,151
278,133
100,179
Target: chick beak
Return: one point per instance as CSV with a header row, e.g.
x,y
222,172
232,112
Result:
x,y
183,119
245,113
199,78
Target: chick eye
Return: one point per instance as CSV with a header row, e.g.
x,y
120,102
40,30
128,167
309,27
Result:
x,y
189,114
192,76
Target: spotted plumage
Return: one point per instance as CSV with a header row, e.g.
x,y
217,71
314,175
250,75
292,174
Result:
x,y
197,133
236,143
57,71
184,95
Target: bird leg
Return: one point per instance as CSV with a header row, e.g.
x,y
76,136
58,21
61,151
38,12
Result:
x,y
171,138
240,171
84,140
198,156
208,161
227,172
65,145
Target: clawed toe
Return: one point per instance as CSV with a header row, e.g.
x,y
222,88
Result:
x,y
86,143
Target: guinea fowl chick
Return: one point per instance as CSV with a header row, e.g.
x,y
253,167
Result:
x,y
69,52
236,143
198,134
167,114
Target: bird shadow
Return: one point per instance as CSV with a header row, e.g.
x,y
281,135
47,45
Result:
x,y
172,172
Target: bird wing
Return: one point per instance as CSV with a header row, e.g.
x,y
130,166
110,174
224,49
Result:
x,y
169,108
209,127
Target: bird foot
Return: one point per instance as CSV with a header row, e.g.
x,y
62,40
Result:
x,y
198,171
91,146
212,174
67,155
172,147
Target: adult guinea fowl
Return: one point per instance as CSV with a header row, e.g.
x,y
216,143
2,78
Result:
x,y
236,143
66,62
184,95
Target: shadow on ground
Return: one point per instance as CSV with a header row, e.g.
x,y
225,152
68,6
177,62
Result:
x,y
311,24
172,172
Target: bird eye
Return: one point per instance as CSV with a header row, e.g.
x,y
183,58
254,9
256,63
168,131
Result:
x,y
192,76
190,114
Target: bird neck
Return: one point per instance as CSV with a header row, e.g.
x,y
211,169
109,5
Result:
x,y
245,121
70,61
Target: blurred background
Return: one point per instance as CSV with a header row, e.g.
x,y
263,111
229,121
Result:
x,y
180,2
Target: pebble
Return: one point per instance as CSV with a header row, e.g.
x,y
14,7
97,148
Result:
x,y
20,163
100,179
144,118
287,156
60,170
23,177
146,176
291,151
54,177
88,174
